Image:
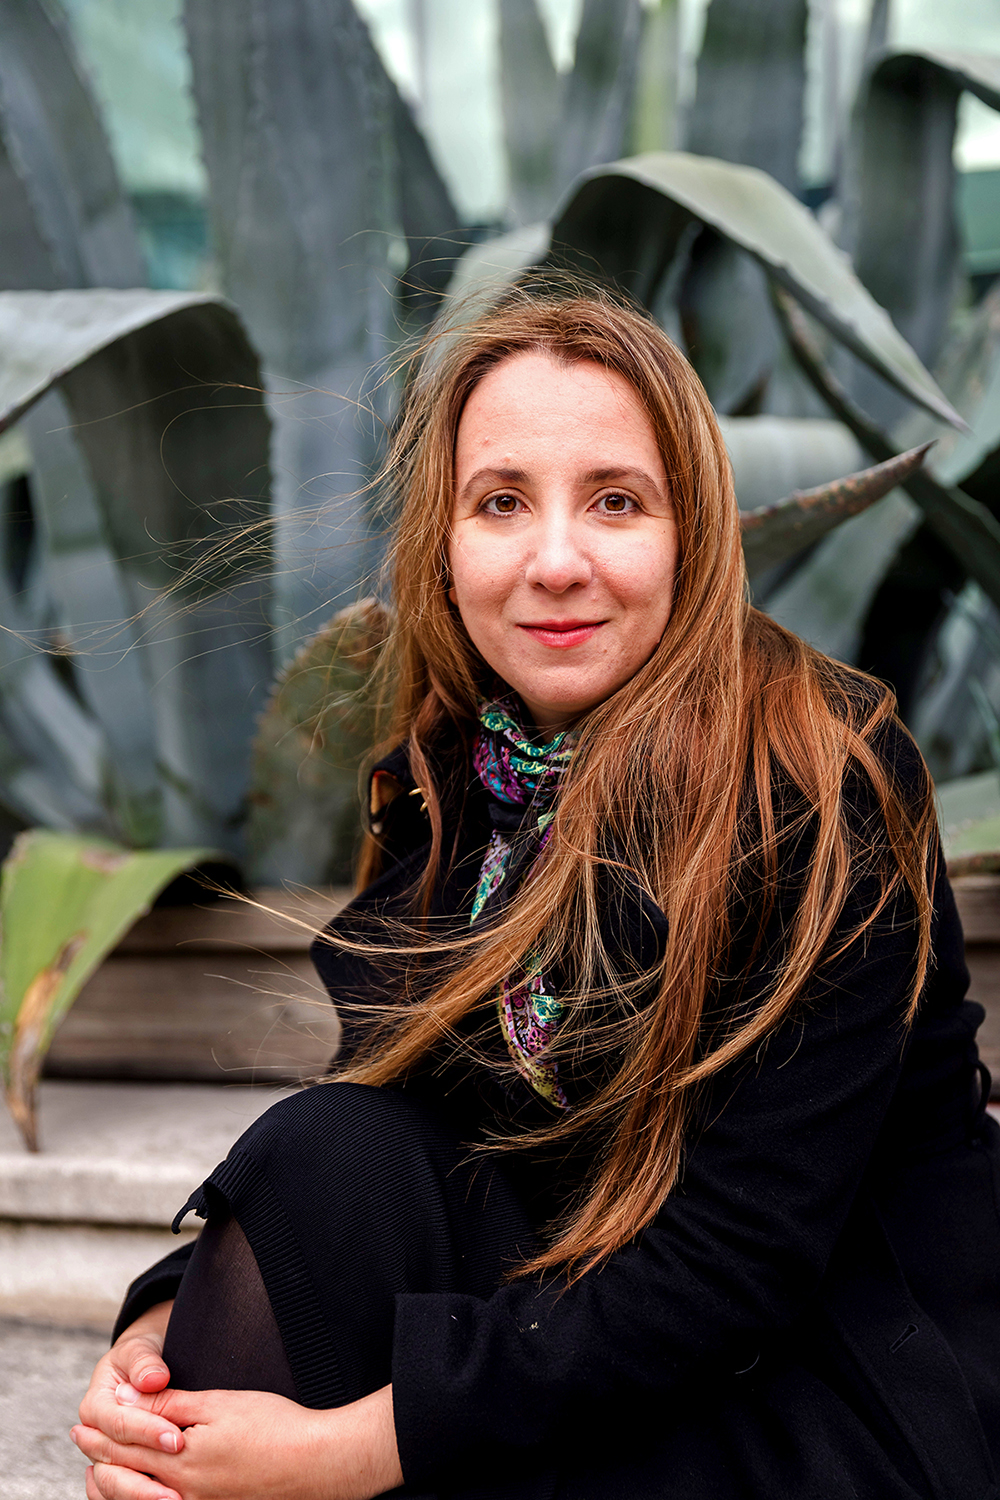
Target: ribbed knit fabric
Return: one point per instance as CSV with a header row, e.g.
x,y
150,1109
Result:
x,y
349,1196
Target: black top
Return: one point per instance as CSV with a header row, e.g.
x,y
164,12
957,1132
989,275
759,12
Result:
x,y
834,1231
789,1141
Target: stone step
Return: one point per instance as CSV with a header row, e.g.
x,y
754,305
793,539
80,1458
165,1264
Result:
x,y
85,1215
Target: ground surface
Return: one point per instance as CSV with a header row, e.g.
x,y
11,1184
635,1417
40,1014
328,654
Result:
x,y
43,1373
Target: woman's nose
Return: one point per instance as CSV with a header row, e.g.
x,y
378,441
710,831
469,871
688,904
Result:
x,y
558,558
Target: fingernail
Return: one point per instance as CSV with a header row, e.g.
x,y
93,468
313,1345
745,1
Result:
x,y
72,1435
126,1394
169,1441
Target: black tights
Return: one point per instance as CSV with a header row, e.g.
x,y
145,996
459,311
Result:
x,y
222,1333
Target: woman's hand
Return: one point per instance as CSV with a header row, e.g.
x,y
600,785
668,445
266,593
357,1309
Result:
x,y
132,1370
248,1445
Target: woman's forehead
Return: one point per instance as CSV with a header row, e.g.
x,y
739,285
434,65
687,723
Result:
x,y
533,397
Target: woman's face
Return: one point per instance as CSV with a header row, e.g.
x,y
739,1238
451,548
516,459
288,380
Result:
x,y
563,546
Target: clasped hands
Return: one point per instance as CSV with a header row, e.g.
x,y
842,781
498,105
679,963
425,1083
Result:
x,y
148,1442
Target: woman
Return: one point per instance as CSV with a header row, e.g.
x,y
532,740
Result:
x,y
661,1164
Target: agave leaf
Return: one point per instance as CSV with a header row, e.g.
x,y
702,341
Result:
x,y
968,371
297,115
45,335
485,269
729,325
628,218
902,222
751,85
771,455
906,618
66,221
747,108
89,619
963,524
428,216
655,122
164,389
65,902
529,96
776,532
827,598
971,366
953,718
15,457
878,29
597,98
313,736
53,755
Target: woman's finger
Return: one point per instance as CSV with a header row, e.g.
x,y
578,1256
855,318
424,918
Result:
x,y
138,1418
114,1380
144,1368
107,1375
109,1482
130,1421
140,1361
138,1354
101,1449
183,1408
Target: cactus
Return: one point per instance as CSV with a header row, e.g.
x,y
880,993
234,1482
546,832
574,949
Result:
x,y
313,736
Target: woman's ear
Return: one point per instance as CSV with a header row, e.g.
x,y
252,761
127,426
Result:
x,y
453,596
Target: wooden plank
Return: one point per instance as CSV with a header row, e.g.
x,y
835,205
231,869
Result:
x,y
218,1018
220,992
978,900
273,921
984,971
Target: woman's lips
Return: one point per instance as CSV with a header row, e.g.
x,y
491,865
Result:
x,y
563,634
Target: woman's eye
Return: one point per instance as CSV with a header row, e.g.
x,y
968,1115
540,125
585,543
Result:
x,y
502,505
616,505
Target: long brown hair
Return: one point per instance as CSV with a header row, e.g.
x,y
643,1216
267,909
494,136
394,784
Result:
x,y
673,779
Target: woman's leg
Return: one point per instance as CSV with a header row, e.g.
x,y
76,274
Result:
x,y
333,1202
222,1333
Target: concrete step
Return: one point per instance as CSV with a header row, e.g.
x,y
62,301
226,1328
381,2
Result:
x,y
81,1218
44,1372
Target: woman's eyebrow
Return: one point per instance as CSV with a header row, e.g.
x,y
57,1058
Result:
x,y
609,475
492,476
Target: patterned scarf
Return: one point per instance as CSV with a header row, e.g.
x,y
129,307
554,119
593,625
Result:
x,y
520,775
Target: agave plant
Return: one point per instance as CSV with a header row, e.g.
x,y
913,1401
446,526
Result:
x,y
64,901
185,478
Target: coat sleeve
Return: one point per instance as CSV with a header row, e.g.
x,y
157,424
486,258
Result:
x,y
730,1260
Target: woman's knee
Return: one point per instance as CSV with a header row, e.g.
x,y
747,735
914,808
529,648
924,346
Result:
x,y
352,1120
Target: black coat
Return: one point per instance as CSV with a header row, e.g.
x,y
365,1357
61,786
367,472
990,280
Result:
x,y
814,1312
